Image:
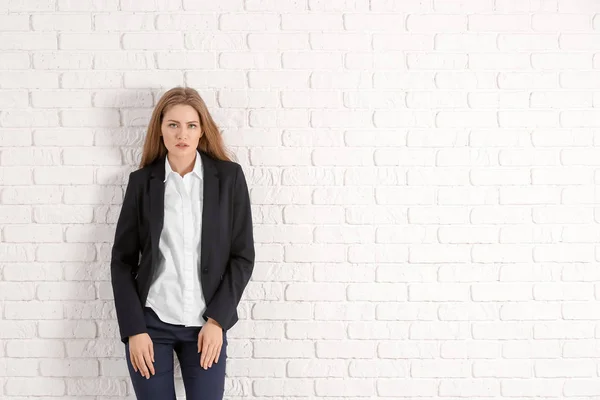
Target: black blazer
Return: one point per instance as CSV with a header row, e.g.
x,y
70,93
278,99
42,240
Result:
x,y
227,249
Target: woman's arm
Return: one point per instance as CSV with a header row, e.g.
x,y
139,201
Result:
x,y
223,305
125,257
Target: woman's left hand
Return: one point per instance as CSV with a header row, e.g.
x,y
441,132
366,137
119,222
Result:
x,y
210,341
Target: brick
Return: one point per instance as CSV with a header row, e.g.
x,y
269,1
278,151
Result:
x,y
120,99
67,330
37,233
54,99
13,291
279,79
342,349
372,22
317,368
123,60
258,330
338,5
561,22
247,22
186,60
87,41
83,310
34,348
30,195
312,60
221,6
250,368
58,22
63,60
91,80
283,387
152,41
13,99
342,80
156,79
311,22
216,41
43,387
14,61
159,5
518,6
90,117
28,41
339,41
406,6
250,60
16,214
17,329
345,387
33,310
28,5
499,23
88,5
273,5
22,79
97,386
70,368
278,42
33,272
215,79
527,42
284,349
282,311
65,175
124,21
355,311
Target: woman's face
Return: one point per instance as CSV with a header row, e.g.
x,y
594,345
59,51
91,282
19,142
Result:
x,y
181,130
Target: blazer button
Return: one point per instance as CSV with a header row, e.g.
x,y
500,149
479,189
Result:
x,y
205,270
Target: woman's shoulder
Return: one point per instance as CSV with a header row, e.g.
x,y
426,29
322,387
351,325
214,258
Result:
x,y
140,174
227,167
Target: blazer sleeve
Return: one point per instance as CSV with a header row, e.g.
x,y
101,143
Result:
x,y
124,261
223,305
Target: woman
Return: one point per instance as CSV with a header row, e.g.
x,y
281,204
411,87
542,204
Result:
x,y
183,252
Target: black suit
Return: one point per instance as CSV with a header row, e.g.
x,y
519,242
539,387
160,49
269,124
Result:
x,y
227,250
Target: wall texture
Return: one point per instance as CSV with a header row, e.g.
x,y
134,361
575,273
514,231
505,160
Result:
x,y
423,176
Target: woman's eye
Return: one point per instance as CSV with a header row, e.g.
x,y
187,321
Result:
x,y
172,125
193,126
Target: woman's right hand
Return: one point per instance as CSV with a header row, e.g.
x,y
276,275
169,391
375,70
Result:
x,y
141,354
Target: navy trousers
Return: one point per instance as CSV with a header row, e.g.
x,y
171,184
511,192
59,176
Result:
x,y
200,384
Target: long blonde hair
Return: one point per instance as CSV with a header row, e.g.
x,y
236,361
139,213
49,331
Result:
x,y
210,142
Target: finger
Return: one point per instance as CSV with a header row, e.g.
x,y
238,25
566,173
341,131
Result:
x,y
152,351
213,356
148,361
143,366
200,340
133,363
202,357
138,364
205,354
218,353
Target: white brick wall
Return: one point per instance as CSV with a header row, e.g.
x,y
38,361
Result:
x,y
423,176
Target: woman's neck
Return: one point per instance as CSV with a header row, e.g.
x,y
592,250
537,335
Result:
x,y
181,165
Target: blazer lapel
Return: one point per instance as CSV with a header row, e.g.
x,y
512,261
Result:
x,y
157,204
210,206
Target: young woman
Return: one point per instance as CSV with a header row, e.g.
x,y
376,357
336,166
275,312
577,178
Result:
x,y
183,252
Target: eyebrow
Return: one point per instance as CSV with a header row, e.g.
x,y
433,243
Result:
x,y
178,121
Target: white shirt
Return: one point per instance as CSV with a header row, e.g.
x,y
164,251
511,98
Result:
x,y
176,294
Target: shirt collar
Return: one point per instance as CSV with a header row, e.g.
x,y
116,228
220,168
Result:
x,y
197,170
